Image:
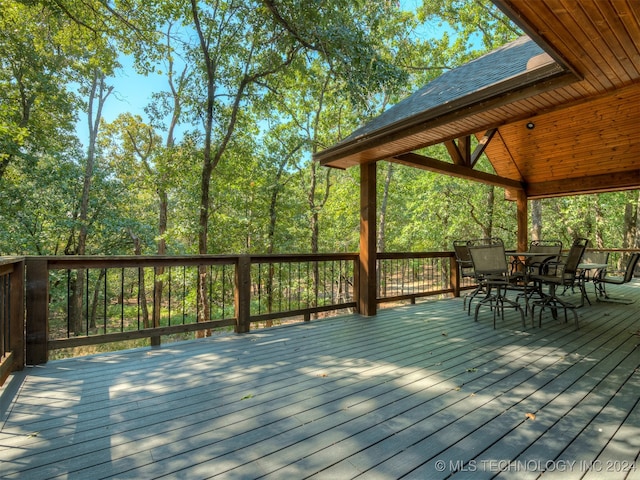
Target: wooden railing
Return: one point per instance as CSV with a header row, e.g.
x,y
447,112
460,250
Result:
x,y
12,340
78,301
408,276
300,285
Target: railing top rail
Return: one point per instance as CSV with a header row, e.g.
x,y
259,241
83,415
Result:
x,y
622,250
10,260
95,261
393,255
305,257
104,261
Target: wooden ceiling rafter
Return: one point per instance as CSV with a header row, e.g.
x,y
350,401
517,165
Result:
x,y
460,149
460,171
482,146
609,182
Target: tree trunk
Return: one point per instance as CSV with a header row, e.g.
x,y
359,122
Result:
x,y
491,201
98,95
383,207
142,289
158,285
598,241
536,219
96,298
630,227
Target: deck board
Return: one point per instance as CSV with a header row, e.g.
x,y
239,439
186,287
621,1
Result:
x,y
351,397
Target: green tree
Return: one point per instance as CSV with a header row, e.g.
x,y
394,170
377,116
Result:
x,y
36,109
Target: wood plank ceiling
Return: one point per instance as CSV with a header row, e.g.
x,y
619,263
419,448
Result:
x,y
569,132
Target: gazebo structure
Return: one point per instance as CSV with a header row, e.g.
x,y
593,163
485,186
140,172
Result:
x,y
556,112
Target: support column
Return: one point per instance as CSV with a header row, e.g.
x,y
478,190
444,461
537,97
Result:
x,y
523,221
37,311
367,299
243,294
16,315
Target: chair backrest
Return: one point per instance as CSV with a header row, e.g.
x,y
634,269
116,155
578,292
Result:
x,y
601,258
546,249
595,257
463,259
631,266
488,256
546,246
575,255
461,250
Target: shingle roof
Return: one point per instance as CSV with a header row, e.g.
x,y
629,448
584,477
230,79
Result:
x,y
485,72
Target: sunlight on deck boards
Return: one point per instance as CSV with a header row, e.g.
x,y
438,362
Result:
x,y
418,391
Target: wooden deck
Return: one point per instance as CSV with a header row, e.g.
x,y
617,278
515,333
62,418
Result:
x,y
419,391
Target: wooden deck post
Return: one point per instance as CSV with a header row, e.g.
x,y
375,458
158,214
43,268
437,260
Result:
x,y
243,294
367,301
37,308
522,221
454,277
17,341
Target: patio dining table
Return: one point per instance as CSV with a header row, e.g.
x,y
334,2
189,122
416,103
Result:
x,y
519,259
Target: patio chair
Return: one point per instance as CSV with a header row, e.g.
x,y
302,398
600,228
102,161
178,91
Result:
x,y
593,274
560,273
466,270
600,282
490,262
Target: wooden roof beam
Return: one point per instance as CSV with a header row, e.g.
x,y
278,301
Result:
x,y
610,182
460,150
481,146
460,171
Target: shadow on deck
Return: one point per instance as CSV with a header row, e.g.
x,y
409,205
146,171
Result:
x,y
419,391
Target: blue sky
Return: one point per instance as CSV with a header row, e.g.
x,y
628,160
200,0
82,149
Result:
x,y
132,93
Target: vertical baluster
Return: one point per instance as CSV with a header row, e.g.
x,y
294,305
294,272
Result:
x,y
213,304
122,299
86,309
280,289
68,303
224,292
184,293
169,297
104,302
259,288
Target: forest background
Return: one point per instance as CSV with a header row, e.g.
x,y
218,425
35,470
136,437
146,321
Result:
x,y
241,93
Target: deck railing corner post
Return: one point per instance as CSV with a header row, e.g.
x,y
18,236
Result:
x,y
37,310
17,340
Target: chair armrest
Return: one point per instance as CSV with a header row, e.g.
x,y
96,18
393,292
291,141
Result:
x,y
544,265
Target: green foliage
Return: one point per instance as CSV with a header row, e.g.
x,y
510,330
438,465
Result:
x,y
36,111
475,25
289,79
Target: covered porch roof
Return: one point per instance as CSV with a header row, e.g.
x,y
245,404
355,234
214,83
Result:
x,y
556,112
